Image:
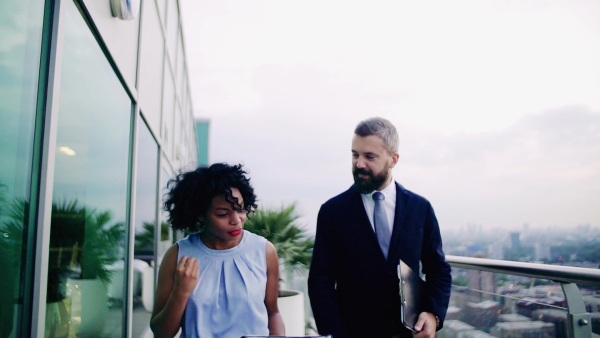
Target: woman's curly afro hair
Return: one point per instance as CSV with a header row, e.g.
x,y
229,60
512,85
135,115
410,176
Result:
x,y
190,194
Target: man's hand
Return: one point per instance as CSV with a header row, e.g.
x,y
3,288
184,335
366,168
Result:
x,y
426,325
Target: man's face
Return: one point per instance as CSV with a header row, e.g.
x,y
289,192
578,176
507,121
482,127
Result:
x,y
371,163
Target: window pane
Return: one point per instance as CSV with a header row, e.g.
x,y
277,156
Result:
x,y
87,236
168,112
146,205
151,65
165,241
172,31
20,41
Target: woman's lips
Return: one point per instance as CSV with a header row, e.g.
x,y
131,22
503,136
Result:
x,y
235,232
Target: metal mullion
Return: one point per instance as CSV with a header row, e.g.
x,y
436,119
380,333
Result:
x,y
46,175
128,308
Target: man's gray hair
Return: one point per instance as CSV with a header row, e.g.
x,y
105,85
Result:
x,y
382,128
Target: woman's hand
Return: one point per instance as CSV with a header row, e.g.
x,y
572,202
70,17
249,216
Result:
x,y
176,282
186,276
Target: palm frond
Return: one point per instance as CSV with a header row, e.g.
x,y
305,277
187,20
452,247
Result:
x,y
294,246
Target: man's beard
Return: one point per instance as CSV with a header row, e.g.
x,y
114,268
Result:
x,y
367,185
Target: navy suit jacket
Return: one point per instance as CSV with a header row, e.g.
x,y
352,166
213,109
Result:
x,y
353,289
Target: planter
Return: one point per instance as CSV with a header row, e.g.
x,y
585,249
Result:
x,y
89,306
291,307
148,288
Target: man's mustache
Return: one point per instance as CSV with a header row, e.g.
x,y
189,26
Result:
x,y
358,171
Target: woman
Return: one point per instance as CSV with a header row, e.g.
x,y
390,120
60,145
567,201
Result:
x,y
220,281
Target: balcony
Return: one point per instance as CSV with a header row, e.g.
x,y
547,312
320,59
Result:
x,y
516,299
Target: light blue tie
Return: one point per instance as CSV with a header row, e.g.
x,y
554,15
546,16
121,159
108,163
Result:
x,y
382,228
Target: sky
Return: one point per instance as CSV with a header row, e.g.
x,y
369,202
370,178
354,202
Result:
x,y
497,103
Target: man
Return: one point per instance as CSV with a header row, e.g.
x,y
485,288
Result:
x,y
353,281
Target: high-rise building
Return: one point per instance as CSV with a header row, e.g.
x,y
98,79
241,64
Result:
x,y
202,139
496,250
515,241
96,117
481,284
541,251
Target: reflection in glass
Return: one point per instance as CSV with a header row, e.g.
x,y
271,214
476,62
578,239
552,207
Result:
x,y
20,42
146,205
151,65
87,242
167,241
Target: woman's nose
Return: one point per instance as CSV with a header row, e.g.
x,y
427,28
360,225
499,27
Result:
x,y
236,218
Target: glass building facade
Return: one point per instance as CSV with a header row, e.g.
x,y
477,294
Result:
x,y
95,118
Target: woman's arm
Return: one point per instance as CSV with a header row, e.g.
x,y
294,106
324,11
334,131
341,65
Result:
x,y
276,327
176,282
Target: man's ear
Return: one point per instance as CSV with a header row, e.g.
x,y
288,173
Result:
x,y
395,158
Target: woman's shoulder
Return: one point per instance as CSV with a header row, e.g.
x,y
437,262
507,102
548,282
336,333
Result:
x,y
254,239
189,239
189,244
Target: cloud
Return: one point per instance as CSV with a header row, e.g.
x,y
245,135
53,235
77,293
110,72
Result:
x,y
498,123
543,170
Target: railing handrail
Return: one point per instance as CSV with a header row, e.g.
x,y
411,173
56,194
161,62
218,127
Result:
x,y
558,273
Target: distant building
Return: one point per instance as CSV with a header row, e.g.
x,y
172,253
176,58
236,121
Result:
x,y
474,334
515,241
528,305
496,250
453,312
452,328
534,329
482,315
202,134
542,252
483,283
513,317
554,316
592,303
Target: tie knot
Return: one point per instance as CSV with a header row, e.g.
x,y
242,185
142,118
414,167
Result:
x,y
378,196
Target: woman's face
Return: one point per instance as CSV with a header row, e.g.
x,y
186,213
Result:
x,y
224,222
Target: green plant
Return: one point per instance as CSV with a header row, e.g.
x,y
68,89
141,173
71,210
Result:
x,y
144,239
83,242
294,246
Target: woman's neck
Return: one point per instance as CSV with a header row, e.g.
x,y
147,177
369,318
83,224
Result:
x,y
215,243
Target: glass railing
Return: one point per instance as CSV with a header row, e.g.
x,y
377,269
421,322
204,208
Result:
x,y
497,298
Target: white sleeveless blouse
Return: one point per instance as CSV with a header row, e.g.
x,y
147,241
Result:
x,y
228,301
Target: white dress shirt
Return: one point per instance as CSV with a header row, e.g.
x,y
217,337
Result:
x,y
389,203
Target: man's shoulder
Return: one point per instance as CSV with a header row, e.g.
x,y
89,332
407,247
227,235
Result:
x,y
341,198
410,196
351,193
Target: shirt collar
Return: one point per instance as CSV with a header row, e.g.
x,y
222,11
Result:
x,y
389,190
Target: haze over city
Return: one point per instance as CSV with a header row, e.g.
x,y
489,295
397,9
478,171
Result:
x,y
496,102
